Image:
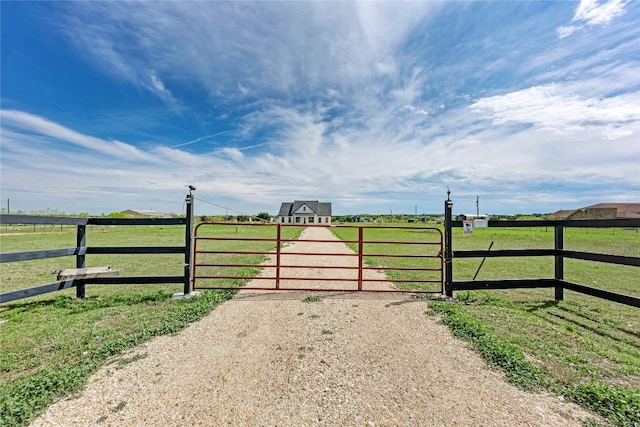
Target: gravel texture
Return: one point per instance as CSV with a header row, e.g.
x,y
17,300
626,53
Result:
x,y
270,359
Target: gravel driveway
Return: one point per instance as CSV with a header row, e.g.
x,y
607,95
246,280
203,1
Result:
x,y
270,359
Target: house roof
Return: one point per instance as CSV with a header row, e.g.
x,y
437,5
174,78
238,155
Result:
x,y
318,208
565,213
623,210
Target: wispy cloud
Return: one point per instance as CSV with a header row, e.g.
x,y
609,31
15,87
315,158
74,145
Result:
x,y
117,150
307,159
319,46
552,108
592,13
364,104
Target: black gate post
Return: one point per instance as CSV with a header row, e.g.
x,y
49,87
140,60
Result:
x,y
559,260
448,252
81,244
188,243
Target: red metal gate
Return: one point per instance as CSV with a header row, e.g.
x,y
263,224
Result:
x,y
334,258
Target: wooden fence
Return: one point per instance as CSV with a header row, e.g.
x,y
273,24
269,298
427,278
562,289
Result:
x,y
81,250
558,252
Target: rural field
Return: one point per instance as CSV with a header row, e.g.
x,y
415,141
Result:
x,y
583,348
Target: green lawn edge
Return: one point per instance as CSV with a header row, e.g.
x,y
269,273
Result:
x,y
24,399
619,405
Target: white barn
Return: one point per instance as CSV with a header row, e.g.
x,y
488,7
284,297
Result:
x,y
305,212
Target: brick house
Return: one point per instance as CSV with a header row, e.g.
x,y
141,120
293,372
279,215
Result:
x,y
601,211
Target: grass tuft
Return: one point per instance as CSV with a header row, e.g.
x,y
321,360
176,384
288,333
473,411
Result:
x,y
616,403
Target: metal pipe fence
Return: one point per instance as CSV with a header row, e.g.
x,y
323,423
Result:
x,y
277,272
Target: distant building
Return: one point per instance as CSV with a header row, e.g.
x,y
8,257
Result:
x,y
465,217
305,212
150,213
601,211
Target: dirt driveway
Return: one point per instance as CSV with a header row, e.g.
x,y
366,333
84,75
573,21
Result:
x,y
271,359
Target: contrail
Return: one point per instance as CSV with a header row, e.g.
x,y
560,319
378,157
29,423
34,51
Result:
x,y
202,138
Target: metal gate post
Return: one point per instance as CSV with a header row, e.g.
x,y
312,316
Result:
x,y
360,256
448,251
81,244
559,260
278,249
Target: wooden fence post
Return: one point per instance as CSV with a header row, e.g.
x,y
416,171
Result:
x,y
81,244
559,260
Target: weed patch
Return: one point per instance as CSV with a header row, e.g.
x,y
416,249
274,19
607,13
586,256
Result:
x,y
616,403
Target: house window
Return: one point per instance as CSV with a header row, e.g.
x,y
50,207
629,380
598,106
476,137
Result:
x,y
297,220
304,209
310,220
289,220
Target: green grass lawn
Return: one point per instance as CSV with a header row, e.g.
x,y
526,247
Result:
x,y
52,343
583,347
586,348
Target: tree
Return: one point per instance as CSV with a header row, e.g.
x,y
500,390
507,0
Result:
x,y
264,215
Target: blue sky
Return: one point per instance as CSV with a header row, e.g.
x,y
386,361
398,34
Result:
x,y
373,106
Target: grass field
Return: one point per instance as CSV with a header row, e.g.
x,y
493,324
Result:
x,y
52,343
584,348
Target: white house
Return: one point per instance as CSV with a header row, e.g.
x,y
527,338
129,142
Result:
x,y
305,212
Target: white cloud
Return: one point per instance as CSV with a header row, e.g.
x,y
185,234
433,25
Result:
x,y
324,105
554,109
416,110
255,48
308,159
44,127
592,13
158,88
233,153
